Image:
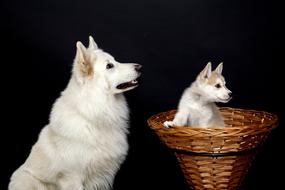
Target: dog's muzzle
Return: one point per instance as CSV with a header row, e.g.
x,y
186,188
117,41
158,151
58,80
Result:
x,y
133,83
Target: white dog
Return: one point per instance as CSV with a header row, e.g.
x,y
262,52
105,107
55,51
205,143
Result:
x,y
85,141
197,105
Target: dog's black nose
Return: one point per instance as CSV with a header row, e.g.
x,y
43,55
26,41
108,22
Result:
x,y
230,93
138,67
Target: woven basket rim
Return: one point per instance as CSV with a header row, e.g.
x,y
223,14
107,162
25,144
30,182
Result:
x,y
237,130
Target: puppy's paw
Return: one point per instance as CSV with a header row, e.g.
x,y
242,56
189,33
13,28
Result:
x,y
168,124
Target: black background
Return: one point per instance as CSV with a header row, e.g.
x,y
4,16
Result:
x,y
173,40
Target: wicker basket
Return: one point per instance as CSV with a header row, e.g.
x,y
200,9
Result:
x,y
216,158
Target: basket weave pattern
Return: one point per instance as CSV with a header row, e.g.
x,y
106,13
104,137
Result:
x,y
216,158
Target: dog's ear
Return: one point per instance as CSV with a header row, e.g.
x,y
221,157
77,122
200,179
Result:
x,y
206,72
92,43
82,65
80,52
219,68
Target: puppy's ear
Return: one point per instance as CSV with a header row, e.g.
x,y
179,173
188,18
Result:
x,y
92,44
206,72
219,68
82,64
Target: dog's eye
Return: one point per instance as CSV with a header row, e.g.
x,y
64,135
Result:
x,y
218,86
109,65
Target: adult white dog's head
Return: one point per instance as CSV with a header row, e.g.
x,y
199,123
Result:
x,y
97,69
212,84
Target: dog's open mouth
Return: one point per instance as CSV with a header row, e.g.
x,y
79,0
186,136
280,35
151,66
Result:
x,y
129,84
225,100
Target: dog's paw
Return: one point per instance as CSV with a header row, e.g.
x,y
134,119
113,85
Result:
x,y
168,124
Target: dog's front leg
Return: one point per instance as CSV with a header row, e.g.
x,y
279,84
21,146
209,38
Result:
x,y
180,119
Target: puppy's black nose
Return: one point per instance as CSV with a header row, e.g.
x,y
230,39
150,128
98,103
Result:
x,y
230,93
138,67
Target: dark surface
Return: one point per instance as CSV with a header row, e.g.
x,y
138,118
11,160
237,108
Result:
x,y
173,40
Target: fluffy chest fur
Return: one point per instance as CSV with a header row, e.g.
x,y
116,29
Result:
x,y
200,113
95,132
204,116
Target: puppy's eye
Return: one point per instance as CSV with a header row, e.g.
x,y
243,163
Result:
x,y
218,86
109,66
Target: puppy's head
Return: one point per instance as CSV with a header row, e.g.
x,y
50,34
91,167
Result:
x,y
98,69
212,84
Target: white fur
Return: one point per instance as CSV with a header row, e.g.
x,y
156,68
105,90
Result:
x,y
85,141
197,105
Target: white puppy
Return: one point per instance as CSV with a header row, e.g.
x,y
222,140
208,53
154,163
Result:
x,y
85,141
197,105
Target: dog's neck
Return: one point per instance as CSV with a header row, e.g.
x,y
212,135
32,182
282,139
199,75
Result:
x,y
197,96
93,91
87,100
